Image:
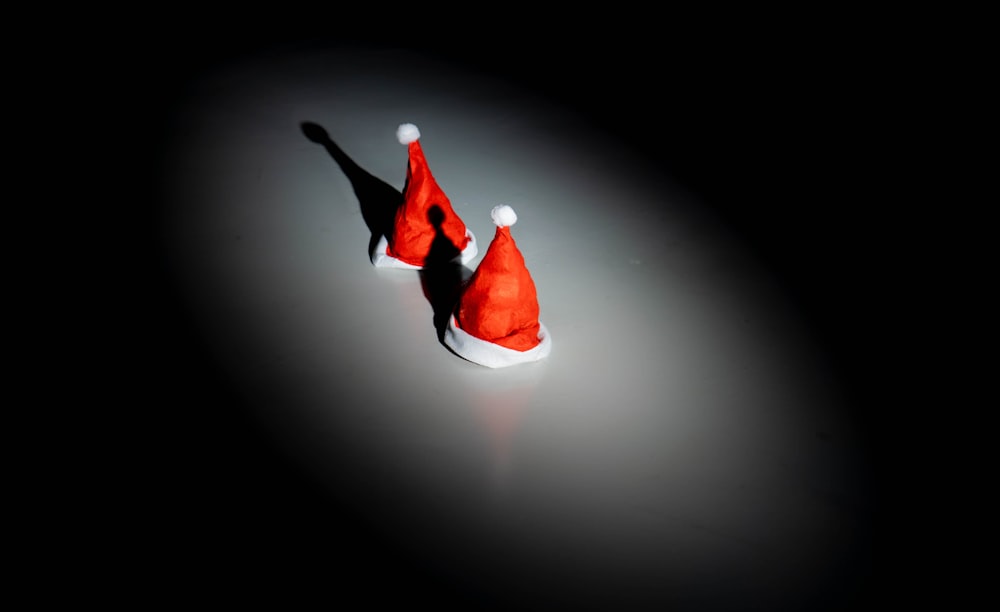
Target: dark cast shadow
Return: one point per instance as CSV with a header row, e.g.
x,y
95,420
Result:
x,y
443,273
378,199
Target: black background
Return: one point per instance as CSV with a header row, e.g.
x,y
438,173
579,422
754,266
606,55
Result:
x,y
787,126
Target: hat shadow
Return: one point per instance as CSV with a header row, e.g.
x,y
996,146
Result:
x,y
443,274
378,200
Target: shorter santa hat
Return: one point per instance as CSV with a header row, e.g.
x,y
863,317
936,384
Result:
x,y
425,221
495,322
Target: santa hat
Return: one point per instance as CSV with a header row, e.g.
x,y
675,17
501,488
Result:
x,y
495,322
425,221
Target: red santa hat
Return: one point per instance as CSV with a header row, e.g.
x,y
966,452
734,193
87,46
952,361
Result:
x,y
495,322
424,220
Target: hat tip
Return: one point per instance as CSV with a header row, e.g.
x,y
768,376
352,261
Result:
x,y
407,133
503,216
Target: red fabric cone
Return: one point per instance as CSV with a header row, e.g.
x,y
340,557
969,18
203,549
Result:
x,y
499,304
413,232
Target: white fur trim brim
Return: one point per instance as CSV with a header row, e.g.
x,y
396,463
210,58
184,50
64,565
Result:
x,y
492,355
382,259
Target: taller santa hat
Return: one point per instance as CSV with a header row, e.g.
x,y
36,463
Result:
x,y
495,322
425,220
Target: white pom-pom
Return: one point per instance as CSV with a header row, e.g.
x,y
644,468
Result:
x,y
503,215
407,133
